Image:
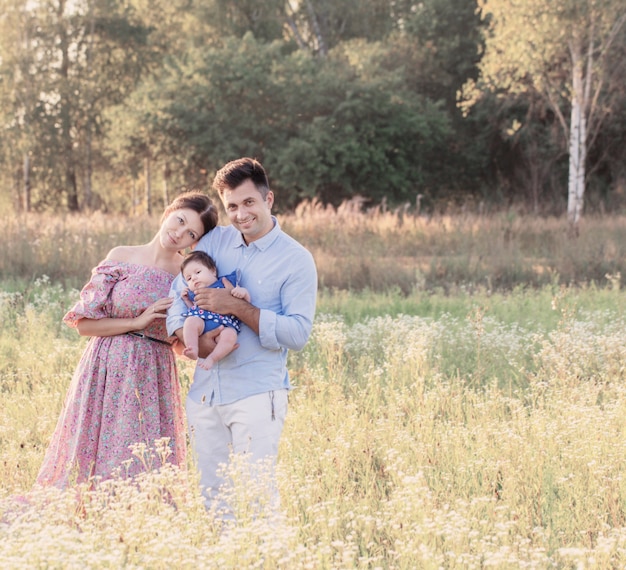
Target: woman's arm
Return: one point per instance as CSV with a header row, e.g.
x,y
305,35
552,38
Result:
x,y
112,327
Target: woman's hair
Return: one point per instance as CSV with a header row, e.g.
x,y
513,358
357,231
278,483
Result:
x,y
199,257
236,172
198,202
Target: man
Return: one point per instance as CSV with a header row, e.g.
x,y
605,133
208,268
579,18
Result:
x,y
239,405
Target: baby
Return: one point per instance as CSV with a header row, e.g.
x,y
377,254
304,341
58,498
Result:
x,y
199,270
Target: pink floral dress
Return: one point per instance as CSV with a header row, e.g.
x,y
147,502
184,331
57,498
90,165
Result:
x,y
125,389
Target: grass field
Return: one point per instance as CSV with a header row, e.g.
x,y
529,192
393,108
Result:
x,y
458,427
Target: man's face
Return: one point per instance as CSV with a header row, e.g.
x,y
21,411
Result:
x,y
248,211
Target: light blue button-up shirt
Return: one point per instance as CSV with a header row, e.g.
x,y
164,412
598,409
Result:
x,y
281,277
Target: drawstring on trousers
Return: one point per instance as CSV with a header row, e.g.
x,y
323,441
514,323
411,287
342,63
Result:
x,y
272,401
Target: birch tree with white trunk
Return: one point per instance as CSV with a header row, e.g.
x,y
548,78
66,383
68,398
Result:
x,y
558,48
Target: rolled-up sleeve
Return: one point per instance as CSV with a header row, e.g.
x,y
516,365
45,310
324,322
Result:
x,y
291,326
175,319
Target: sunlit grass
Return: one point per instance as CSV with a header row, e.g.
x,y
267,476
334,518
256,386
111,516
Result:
x,y
425,431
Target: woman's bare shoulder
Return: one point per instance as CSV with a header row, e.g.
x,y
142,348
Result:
x,y
127,253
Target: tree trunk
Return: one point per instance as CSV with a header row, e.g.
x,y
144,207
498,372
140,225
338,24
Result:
x,y
88,126
133,196
26,184
166,178
71,187
321,44
88,167
148,183
291,24
577,140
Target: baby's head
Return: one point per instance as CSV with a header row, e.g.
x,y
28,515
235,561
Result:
x,y
199,270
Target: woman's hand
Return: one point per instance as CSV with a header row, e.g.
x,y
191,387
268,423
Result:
x,y
157,310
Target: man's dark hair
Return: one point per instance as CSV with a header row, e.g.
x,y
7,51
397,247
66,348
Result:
x,y
236,172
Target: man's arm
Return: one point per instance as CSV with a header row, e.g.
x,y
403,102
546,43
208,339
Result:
x,y
221,301
289,328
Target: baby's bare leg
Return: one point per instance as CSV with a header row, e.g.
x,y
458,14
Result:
x,y
192,329
225,342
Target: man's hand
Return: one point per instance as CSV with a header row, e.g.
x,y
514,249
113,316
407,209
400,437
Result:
x,y
221,301
207,342
217,300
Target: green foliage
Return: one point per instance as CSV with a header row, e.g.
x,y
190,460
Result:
x,y
264,20
378,142
352,134
522,146
337,98
68,65
565,55
449,37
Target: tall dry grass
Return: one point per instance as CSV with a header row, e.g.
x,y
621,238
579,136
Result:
x,y
377,249
357,250
65,247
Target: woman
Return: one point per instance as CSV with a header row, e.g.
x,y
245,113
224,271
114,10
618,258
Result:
x,y
125,389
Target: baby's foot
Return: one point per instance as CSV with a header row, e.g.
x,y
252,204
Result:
x,y
191,353
206,363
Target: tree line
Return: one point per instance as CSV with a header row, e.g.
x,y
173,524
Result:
x,y
117,105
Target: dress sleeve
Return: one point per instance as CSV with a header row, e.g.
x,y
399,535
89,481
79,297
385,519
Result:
x,y
95,297
233,277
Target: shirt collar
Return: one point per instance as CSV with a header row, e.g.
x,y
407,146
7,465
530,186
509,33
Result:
x,y
263,242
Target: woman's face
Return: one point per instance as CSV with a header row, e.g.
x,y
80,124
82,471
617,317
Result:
x,y
181,229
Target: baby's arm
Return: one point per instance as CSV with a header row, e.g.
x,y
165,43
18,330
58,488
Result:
x,y
240,293
184,295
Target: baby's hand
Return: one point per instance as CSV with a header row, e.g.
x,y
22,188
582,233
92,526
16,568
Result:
x,y
240,293
185,297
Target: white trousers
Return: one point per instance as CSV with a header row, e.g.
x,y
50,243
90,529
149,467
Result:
x,y
249,428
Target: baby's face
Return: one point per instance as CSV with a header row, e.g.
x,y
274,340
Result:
x,y
198,275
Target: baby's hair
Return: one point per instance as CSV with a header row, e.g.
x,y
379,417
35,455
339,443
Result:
x,y
200,257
